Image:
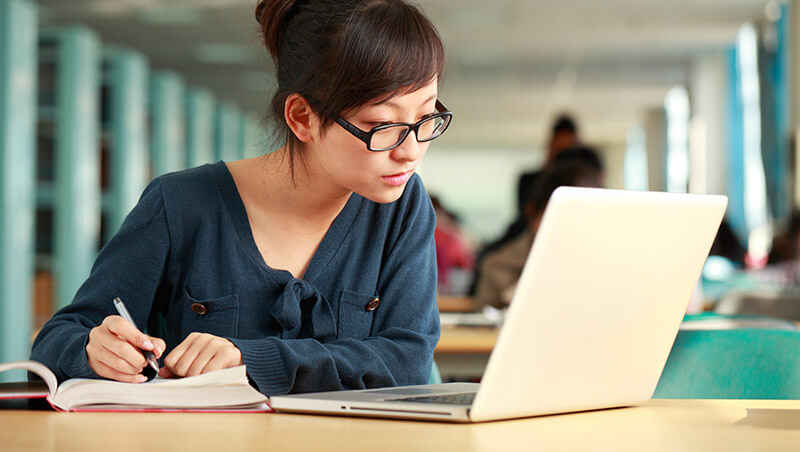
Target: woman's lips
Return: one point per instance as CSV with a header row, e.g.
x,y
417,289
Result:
x,y
397,179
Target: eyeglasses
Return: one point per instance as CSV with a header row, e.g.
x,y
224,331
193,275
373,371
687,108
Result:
x,y
388,136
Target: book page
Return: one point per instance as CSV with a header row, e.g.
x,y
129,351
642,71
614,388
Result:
x,y
38,368
223,388
233,375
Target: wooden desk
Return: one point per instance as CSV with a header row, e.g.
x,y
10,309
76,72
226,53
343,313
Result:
x,y
665,425
462,352
449,303
467,340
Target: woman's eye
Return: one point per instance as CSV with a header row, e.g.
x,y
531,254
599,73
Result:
x,y
427,116
378,123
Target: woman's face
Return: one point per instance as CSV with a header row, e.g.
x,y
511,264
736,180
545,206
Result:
x,y
378,176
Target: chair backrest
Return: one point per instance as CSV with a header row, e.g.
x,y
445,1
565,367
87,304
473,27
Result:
x,y
714,321
775,303
732,364
435,377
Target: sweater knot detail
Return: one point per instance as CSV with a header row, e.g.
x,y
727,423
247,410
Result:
x,y
303,312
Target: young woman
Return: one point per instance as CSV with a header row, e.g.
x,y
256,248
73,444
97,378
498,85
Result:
x,y
313,265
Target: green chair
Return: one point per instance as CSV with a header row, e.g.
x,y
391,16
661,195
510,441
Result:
x,y
746,363
436,377
715,321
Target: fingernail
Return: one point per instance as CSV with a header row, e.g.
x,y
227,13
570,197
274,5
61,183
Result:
x,y
147,344
141,379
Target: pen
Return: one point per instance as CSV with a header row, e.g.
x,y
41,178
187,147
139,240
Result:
x,y
148,355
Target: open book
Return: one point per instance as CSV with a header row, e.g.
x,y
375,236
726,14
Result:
x,y
222,390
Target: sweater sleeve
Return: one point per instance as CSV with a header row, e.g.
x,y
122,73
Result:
x,y
129,266
405,330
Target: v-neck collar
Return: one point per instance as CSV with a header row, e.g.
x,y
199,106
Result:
x,y
327,249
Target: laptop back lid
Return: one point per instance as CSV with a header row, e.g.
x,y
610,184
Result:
x,y
600,300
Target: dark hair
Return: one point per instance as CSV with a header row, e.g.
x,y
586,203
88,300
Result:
x,y
582,155
727,245
572,174
564,123
537,194
784,244
343,54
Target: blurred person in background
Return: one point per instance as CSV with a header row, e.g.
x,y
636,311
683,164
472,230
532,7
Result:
x,y
500,268
783,265
728,246
455,257
580,155
563,135
786,246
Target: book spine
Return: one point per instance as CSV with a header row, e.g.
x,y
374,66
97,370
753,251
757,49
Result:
x,y
265,409
55,407
23,396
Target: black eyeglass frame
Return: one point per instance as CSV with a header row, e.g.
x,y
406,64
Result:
x,y
366,136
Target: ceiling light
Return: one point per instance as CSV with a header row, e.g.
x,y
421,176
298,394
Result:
x,y
118,7
169,15
223,53
260,81
773,11
480,18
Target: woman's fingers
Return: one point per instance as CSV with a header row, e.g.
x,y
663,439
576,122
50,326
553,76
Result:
x,y
122,328
127,353
180,360
97,351
108,372
228,357
164,372
203,357
108,365
200,353
160,346
115,349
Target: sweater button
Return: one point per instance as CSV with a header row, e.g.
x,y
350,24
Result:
x,y
199,309
373,304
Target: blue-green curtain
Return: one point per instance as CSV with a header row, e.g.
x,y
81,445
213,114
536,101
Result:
x,y
735,152
127,80
18,53
775,111
77,156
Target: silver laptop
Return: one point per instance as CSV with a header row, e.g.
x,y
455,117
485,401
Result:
x,y
592,321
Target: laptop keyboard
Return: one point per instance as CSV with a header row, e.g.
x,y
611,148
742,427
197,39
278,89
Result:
x,y
448,399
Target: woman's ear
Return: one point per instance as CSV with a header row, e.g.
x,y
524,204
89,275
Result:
x,y
300,118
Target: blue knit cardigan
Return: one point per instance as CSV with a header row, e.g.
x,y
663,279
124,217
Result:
x,y
364,314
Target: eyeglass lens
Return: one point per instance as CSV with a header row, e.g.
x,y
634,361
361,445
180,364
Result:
x,y
391,136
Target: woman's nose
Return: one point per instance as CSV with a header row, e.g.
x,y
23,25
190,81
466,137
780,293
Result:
x,y
409,150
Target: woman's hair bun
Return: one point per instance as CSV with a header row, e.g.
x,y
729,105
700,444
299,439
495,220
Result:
x,y
274,17
260,10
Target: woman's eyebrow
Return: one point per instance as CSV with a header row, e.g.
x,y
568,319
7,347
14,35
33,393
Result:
x,y
392,103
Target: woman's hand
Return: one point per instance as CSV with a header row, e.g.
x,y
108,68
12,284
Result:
x,y
200,353
114,350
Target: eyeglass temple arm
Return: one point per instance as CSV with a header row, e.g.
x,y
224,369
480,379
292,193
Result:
x,y
362,135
